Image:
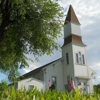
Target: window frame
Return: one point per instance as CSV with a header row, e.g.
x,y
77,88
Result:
x,y
55,79
83,59
30,87
67,58
76,57
68,79
79,58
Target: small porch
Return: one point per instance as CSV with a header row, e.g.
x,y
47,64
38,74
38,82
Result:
x,y
82,82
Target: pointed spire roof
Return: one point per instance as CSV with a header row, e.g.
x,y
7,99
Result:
x,y
71,16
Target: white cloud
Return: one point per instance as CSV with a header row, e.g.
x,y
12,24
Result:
x,y
25,70
96,66
98,77
31,67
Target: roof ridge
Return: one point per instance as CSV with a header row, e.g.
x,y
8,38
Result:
x,y
39,68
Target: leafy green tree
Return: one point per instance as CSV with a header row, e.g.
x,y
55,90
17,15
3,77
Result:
x,y
96,88
3,85
27,26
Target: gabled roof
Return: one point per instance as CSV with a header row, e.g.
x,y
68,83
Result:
x,y
37,70
92,71
71,16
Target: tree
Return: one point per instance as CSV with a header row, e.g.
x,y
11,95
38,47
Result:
x,y
96,88
27,26
3,85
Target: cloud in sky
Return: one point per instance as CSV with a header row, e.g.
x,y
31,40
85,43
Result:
x,y
88,13
28,69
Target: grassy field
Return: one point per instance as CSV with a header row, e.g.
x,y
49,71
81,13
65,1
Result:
x,y
11,94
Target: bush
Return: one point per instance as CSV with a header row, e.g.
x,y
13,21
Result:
x,y
11,94
3,85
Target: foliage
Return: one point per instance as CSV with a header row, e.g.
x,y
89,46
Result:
x,y
11,94
97,88
27,26
3,85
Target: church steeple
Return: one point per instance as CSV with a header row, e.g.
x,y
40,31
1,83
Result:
x,y
72,32
71,16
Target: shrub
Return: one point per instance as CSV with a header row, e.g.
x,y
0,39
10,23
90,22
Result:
x,y
11,94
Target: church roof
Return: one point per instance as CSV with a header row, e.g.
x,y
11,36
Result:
x,y
71,16
73,39
36,70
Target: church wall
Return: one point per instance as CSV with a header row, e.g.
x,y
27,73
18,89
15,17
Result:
x,y
75,29
55,70
68,68
91,86
31,82
72,28
67,30
90,83
80,69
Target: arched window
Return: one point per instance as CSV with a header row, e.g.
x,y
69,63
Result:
x,y
80,57
83,60
67,58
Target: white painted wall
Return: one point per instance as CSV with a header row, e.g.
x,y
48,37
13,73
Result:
x,y
68,68
73,69
72,28
91,74
91,86
54,69
75,29
82,70
79,69
31,81
67,30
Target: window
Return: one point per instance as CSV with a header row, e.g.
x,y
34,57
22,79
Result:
x,y
79,83
31,87
67,58
82,83
83,60
54,81
77,58
68,79
80,58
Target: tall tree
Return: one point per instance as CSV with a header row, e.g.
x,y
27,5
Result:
x,y
27,26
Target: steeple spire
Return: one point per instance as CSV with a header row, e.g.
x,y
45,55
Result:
x,y
71,16
72,32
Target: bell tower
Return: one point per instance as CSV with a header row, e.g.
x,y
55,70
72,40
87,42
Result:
x,y
72,32
74,53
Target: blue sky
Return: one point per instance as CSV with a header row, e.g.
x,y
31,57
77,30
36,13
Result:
x,y
88,13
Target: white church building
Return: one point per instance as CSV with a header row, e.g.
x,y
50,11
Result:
x,y
72,64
